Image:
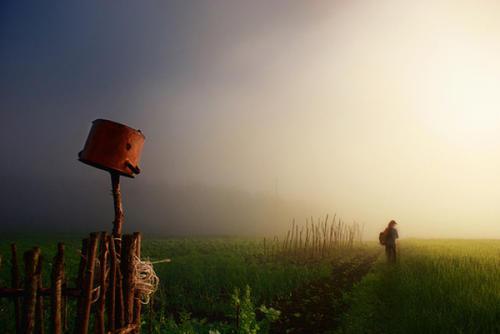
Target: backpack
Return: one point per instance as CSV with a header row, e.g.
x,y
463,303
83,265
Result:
x,y
382,237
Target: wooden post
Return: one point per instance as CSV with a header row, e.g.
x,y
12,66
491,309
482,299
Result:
x,y
120,305
83,263
112,281
16,283
39,310
65,305
137,300
31,258
117,200
103,282
85,300
56,303
128,269
117,234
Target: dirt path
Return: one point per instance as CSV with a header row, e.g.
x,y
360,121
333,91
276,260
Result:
x,y
319,306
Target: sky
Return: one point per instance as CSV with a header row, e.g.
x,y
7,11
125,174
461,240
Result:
x,y
256,112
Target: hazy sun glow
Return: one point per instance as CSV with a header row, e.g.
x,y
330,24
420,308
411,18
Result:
x,y
377,110
460,96
368,119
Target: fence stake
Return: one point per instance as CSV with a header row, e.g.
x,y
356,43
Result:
x,y
84,302
128,266
57,286
39,310
112,281
16,283
31,258
65,305
120,305
137,301
103,282
83,263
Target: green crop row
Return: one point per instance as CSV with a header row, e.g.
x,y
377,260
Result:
x,y
438,286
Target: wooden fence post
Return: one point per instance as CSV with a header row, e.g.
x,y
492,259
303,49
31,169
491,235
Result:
x,y
103,283
137,300
39,310
56,303
119,302
65,306
31,258
83,263
16,283
112,281
85,300
128,269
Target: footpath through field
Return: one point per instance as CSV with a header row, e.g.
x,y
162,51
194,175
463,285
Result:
x,y
437,286
319,305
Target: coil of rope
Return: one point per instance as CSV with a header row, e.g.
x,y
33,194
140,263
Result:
x,y
145,279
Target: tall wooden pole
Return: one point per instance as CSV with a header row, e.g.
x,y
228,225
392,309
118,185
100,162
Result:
x,y
117,200
117,235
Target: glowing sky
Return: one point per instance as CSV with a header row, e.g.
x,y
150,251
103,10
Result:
x,y
375,109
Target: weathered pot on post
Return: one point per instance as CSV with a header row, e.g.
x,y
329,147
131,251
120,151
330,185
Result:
x,y
113,147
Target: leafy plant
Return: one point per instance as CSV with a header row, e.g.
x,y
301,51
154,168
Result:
x,y
246,320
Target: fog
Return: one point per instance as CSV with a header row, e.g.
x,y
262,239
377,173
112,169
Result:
x,y
256,113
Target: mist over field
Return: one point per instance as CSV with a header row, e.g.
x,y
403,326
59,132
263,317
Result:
x,y
320,166
255,113
156,209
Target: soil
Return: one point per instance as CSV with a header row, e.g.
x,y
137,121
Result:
x,y
318,307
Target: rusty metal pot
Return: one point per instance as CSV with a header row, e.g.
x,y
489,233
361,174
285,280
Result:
x,y
113,147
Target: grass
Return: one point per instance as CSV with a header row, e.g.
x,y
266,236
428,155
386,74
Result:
x,y
437,286
198,287
205,272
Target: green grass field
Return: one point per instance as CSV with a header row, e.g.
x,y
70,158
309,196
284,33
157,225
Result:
x,y
437,286
198,288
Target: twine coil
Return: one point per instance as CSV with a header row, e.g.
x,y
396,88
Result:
x,y
145,279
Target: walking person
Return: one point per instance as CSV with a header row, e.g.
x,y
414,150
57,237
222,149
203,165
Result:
x,y
391,234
